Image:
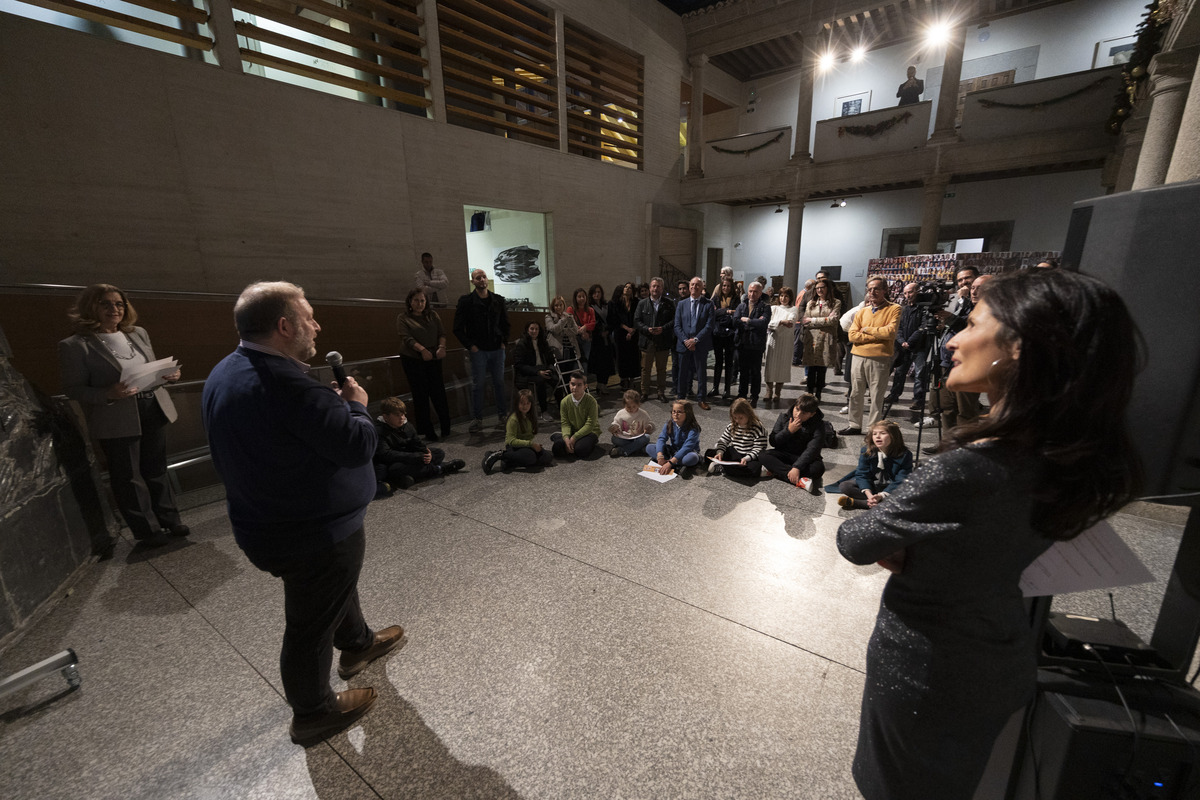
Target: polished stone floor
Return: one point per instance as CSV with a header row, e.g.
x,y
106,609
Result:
x,y
579,633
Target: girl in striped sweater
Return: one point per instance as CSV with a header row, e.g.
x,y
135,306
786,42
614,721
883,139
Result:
x,y
744,438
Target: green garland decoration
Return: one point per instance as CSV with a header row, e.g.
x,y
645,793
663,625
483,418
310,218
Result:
x,y
754,149
872,131
1149,41
1041,104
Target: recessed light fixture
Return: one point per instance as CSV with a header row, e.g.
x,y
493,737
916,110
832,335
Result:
x,y
779,209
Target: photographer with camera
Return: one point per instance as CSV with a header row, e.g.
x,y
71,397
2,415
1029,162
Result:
x,y
956,408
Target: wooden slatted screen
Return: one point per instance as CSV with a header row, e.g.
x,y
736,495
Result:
x,y
183,32
372,47
498,68
604,99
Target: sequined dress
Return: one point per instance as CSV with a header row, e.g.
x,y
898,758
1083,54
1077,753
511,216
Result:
x,y
952,655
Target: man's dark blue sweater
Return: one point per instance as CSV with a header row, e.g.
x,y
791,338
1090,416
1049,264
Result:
x,y
295,457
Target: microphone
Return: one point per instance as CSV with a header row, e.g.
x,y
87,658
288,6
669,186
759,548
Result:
x,y
334,359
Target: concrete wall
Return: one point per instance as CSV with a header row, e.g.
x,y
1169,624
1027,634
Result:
x,y
152,171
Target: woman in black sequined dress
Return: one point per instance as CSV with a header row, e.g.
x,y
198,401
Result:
x,y
952,657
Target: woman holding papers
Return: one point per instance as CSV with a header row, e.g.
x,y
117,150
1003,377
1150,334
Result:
x,y
953,656
129,423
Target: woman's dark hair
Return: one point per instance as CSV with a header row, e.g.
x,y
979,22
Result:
x,y
789,292
408,301
1064,397
592,294
541,343
587,298
84,314
522,420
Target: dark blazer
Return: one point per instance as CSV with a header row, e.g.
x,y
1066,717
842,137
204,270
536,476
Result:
x,y
646,318
700,328
481,321
751,335
88,368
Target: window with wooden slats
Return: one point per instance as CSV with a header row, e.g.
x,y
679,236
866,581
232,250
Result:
x,y
605,116
362,49
499,67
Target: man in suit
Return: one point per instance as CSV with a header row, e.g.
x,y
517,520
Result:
x,y
694,318
655,321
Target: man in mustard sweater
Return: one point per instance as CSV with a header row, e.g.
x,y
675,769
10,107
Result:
x,y
872,336
580,417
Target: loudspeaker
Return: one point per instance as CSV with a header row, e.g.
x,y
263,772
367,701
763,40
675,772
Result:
x,y
1085,749
1145,244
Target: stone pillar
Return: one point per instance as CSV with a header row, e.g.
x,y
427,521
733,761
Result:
x,y
791,253
1185,160
947,107
1133,133
696,118
1170,78
931,212
433,54
808,73
225,43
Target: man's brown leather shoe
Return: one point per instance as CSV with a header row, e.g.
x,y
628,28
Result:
x,y
348,707
704,404
350,663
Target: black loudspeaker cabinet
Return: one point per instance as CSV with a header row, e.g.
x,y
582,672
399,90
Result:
x,y
1086,750
1146,244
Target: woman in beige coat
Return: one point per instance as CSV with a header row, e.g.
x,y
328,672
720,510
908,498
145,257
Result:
x,y
820,320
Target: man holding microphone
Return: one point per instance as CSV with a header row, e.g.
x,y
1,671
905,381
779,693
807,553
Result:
x,y
295,457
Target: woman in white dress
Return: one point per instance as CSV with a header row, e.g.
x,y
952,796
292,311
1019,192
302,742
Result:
x,y
781,337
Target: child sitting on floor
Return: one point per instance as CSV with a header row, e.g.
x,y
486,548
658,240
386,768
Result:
x,y
630,428
401,458
883,464
743,441
520,449
678,446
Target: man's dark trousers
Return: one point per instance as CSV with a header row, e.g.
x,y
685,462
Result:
x,y
320,599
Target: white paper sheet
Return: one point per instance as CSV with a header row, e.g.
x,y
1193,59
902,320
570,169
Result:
x,y
1095,559
144,377
651,471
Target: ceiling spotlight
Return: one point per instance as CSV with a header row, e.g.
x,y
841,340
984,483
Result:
x,y
826,61
842,204
779,209
938,33
859,54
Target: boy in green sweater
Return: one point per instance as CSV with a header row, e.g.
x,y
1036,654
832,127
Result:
x,y
580,416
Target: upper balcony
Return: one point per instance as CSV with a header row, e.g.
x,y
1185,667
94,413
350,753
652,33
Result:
x,y
1044,125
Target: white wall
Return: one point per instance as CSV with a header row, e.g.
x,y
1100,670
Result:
x,y
1067,33
763,235
1040,205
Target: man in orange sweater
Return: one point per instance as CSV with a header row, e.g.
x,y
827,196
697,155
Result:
x,y
872,336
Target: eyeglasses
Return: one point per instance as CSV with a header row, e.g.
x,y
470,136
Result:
x,y
118,305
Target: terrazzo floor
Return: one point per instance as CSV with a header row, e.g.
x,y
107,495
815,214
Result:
x,y
578,633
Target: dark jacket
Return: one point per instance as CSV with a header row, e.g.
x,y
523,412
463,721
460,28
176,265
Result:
x,y
401,445
751,335
910,330
805,444
895,470
725,325
524,359
646,318
295,457
481,321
